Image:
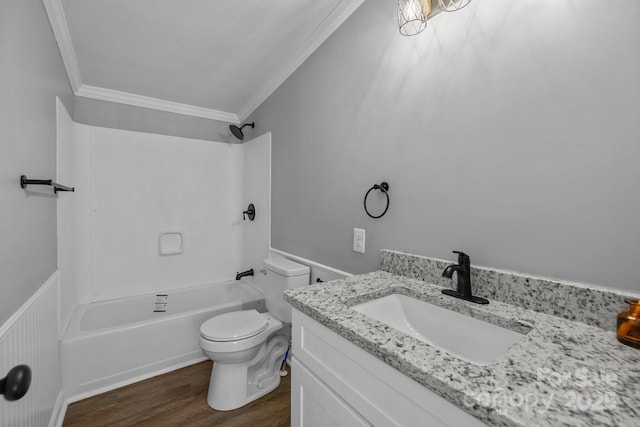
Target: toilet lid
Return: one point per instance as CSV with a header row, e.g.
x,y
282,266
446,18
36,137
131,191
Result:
x,y
234,325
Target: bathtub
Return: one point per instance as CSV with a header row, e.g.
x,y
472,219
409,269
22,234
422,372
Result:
x,y
114,343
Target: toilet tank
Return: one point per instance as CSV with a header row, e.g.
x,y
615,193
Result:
x,y
282,274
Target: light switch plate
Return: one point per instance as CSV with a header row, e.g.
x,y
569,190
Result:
x,y
358,240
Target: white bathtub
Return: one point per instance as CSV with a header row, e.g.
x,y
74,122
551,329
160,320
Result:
x,y
113,343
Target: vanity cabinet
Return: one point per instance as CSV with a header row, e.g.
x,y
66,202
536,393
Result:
x,y
336,383
316,405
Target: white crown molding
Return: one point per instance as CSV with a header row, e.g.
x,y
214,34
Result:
x,y
58,22
328,26
111,95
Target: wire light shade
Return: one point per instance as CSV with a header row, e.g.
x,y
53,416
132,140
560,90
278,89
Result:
x,y
452,5
412,16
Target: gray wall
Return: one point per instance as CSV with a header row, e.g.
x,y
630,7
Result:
x,y
509,130
119,116
31,76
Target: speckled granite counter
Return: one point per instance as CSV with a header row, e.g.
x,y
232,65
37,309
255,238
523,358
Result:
x,y
560,373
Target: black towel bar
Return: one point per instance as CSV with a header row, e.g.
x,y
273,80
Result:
x,y
24,181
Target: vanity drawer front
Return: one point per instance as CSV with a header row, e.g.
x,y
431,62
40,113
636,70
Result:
x,y
384,396
316,405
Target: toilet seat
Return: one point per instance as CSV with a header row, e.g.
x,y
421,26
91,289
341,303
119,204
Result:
x,y
234,326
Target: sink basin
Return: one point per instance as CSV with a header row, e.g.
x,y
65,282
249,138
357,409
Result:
x,y
471,339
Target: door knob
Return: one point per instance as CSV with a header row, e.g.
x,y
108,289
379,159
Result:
x,y
16,384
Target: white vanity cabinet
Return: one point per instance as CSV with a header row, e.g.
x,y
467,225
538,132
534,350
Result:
x,y
336,383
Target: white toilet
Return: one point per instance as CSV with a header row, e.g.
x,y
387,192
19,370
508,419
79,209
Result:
x,y
247,347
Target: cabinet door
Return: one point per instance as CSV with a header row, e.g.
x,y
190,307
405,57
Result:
x,y
313,404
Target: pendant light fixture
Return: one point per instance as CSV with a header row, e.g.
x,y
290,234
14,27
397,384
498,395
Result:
x,y
452,5
412,16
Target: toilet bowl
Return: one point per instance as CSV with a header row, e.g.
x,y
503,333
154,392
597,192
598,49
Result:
x,y
248,347
247,353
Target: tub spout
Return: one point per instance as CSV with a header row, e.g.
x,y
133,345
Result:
x,y
244,273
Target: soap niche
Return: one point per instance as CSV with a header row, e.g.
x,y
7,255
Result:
x,y
171,243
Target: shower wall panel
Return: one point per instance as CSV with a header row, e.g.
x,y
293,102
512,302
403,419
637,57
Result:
x,y
130,188
145,184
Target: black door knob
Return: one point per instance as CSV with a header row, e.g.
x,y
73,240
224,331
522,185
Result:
x,y
16,384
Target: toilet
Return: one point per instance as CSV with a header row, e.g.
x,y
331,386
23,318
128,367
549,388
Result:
x,y
247,347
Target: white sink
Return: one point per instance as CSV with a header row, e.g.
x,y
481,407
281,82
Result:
x,y
474,340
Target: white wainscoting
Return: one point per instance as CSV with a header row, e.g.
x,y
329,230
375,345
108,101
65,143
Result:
x,y
318,271
30,337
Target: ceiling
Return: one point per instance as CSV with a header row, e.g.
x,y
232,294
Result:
x,y
218,59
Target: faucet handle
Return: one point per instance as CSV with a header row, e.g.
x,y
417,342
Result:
x,y
462,258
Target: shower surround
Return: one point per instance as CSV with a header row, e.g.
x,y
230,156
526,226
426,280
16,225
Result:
x,y
132,188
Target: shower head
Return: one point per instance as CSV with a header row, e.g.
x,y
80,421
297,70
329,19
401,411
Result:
x,y
237,131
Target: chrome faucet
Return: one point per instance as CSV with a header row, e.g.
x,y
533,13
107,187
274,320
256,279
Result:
x,y
463,290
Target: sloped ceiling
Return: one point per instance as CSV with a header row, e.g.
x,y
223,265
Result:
x,y
217,59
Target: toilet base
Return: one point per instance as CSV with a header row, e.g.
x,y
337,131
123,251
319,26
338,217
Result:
x,y
226,400
234,385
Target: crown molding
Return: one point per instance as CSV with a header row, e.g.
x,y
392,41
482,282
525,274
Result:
x,y
58,22
328,26
111,95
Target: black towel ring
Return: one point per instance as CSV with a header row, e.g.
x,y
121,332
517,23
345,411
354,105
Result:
x,y
384,187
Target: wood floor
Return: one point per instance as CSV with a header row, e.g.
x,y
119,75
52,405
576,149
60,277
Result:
x,y
178,398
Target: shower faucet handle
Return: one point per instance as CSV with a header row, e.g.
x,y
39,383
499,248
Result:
x,y
250,212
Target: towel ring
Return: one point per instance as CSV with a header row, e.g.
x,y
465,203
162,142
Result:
x,y
384,187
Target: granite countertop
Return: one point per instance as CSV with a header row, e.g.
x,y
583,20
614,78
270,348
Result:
x,y
560,373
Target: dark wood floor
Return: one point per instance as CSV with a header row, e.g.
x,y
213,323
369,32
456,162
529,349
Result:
x,y
178,398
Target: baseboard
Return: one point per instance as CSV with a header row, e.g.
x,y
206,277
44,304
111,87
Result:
x,y
104,385
59,411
